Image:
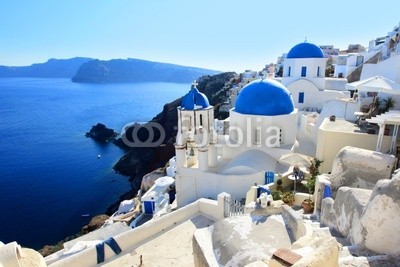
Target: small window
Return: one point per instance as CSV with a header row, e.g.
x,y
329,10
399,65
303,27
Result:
x,y
289,70
303,71
318,71
201,120
301,97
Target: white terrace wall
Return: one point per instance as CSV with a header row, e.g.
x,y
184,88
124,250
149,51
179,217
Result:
x,y
146,232
330,142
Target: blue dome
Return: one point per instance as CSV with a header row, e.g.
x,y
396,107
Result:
x,y
194,100
305,50
264,97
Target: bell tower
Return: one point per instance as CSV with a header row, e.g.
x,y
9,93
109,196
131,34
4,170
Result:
x,y
196,137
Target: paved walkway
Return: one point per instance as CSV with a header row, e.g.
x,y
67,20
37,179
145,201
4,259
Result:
x,y
172,248
244,239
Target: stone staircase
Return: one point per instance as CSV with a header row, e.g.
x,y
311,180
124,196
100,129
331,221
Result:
x,y
350,255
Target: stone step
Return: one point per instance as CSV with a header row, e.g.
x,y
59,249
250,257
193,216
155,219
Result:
x,y
379,260
353,261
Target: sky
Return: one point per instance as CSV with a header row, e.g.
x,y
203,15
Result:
x,y
215,34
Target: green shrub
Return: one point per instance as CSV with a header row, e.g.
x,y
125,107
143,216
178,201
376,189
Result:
x,y
276,195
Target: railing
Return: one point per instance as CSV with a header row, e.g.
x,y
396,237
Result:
x,y
232,207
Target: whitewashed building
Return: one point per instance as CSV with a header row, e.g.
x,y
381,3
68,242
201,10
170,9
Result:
x,y
262,127
304,76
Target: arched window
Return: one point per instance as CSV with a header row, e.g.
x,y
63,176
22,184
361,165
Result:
x,y
186,123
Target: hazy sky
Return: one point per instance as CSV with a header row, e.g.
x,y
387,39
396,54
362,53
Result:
x,y
217,34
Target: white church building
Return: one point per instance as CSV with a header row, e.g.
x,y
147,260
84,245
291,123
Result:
x,y
304,76
262,127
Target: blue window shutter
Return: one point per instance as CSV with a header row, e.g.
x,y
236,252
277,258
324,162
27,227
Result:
x,y
303,71
301,97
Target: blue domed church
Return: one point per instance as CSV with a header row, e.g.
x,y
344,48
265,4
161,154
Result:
x,y
262,127
304,76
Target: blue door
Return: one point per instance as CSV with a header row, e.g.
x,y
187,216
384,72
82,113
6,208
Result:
x,y
149,207
269,177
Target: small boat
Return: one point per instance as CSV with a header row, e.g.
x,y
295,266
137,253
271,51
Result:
x,y
85,215
98,156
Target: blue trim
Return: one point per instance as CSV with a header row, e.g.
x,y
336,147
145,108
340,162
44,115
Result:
x,y
100,248
113,245
327,191
100,252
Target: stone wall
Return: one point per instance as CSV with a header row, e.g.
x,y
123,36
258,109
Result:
x,y
360,168
345,212
369,218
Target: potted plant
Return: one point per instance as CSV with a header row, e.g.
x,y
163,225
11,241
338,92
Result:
x,y
288,198
276,195
279,184
308,204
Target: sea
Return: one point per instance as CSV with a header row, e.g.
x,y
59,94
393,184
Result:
x,y
50,174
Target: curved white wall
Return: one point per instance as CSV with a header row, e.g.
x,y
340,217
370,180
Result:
x,y
313,97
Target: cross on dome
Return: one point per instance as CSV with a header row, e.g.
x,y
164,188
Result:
x,y
194,99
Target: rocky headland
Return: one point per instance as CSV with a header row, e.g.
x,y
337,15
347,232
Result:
x,y
101,133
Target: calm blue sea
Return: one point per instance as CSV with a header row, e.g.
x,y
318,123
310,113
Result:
x,y
49,171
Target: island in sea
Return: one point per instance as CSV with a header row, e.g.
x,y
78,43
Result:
x,y
89,70
136,70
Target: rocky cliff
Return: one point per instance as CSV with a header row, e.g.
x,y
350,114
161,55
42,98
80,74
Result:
x,y
136,70
139,161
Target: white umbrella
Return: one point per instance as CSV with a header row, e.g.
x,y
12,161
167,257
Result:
x,y
293,159
375,84
298,159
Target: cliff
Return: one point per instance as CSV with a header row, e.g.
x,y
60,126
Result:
x,y
139,161
136,70
53,68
